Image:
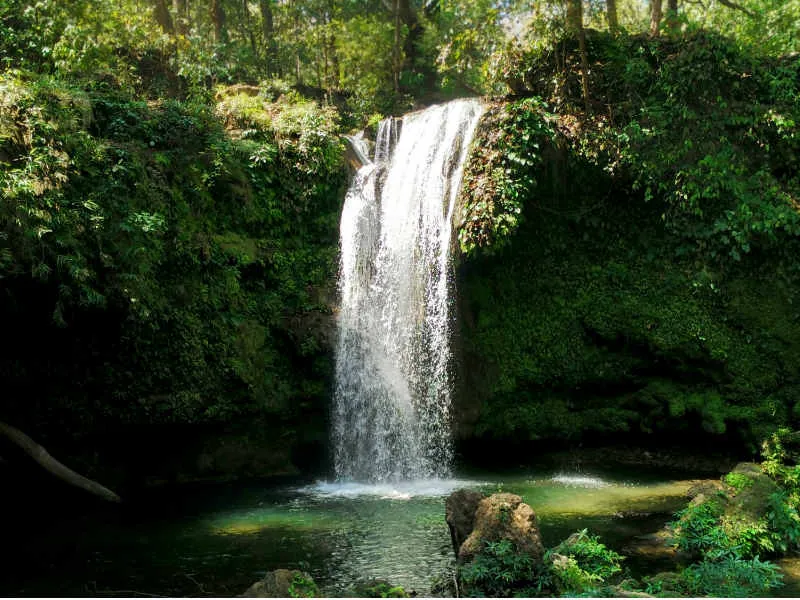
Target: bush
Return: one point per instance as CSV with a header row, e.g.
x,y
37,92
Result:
x,y
497,571
581,564
731,577
303,587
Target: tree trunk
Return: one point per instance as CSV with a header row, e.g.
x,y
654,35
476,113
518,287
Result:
x,y
655,16
574,16
218,18
408,16
268,31
611,15
163,18
52,466
179,7
672,14
575,27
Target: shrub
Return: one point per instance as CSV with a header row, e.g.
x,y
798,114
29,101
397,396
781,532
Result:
x,y
581,564
303,587
731,577
498,570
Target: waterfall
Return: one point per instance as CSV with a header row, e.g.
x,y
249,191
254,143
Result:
x,y
391,415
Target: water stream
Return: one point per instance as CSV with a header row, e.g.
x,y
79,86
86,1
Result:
x,y
392,393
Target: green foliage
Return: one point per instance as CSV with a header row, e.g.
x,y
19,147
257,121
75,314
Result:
x,y
465,36
497,571
731,577
776,459
303,587
699,531
738,481
751,517
581,565
208,250
502,174
770,27
633,278
726,186
728,533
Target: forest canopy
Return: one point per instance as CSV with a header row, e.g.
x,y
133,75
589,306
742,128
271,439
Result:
x,y
378,54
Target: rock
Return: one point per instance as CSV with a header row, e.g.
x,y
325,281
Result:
x,y
751,502
707,487
504,517
668,583
620,592
236,90
704,489
790,567
283,583
459,511
656,546
748,468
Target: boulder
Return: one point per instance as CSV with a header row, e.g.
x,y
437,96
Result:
x,y
459,511
283,583
704,489
749,504
504,517
658,546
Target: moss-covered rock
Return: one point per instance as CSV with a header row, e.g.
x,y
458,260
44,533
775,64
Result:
x,y
504,517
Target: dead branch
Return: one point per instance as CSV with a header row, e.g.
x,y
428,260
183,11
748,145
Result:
x,y
52,466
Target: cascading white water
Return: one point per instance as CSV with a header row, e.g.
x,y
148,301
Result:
x,y
392,396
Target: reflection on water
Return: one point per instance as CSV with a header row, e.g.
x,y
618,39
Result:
x,y
219,540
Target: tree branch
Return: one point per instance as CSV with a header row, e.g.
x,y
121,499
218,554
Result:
x,y
52,466
735,6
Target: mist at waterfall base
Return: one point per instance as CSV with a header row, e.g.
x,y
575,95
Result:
x,y
391,415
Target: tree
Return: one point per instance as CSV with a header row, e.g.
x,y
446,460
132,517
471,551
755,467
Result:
x,y
611,15
180,8
575,28
163,18
672,14
655,16
218,18
268,31
574,16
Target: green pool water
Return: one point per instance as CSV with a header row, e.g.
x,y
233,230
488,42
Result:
x,y
217,540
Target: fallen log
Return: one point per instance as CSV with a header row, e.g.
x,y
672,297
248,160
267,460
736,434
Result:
x,y
52,466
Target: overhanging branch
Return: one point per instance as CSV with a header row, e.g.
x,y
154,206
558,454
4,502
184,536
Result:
x,y
735,6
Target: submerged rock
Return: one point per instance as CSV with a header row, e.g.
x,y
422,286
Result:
x,y
459,510
283,583
504,517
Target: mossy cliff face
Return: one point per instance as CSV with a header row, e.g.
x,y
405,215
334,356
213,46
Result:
x,y
577,328
604,308
167,271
